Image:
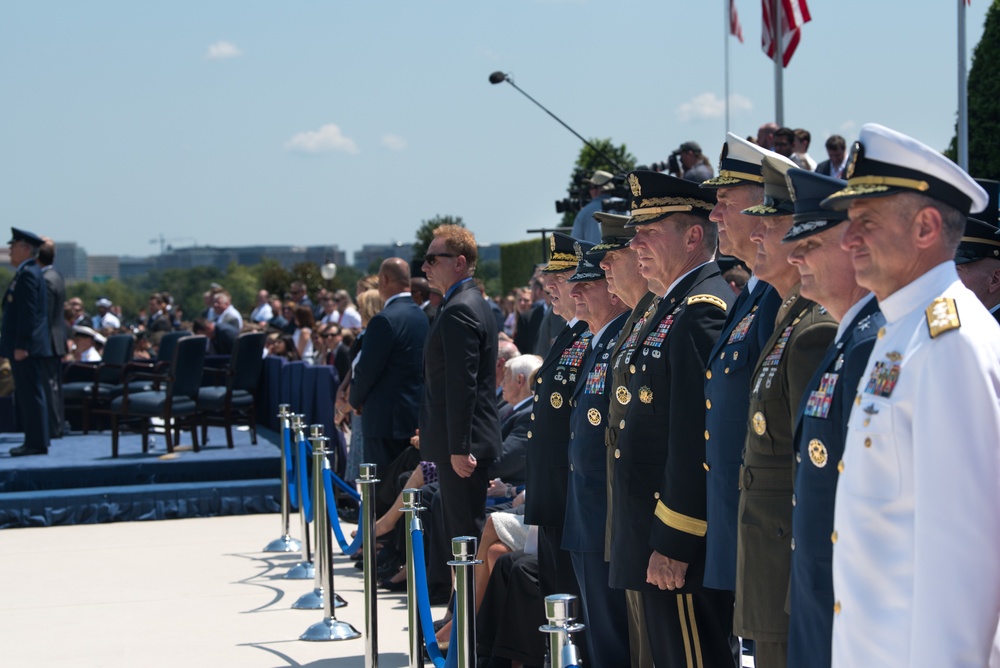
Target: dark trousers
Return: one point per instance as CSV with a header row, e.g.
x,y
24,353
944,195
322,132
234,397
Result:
x,y
512,610
463,500
53,389
690,630
555,566
604,611
30,399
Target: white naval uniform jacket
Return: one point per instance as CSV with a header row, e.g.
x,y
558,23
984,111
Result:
x,y
916,555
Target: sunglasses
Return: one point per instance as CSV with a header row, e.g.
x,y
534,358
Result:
x,y
432,258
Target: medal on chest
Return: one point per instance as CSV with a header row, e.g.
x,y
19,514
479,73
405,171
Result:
x,y
629,347
884,376
741,329
769,367
595,379
820,400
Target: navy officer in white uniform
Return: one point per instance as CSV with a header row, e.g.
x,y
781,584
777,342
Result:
x,y
916,573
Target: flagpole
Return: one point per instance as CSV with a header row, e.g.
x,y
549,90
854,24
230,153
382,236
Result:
x,y
779,93
963,93
726,27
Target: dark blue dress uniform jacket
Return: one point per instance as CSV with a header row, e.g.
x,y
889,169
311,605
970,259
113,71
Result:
x,y
587,498
727,399
819,446
25,314
661,448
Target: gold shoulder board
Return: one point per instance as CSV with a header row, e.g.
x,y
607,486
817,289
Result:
x,y
942,316
710,299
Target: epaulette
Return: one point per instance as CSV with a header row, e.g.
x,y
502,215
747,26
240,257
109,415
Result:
x,y
942,316
710,299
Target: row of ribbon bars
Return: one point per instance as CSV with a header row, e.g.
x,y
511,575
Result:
x,y
314,499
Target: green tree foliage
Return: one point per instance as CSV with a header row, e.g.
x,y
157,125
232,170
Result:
x,y
517,263
984,102
425,233
589,160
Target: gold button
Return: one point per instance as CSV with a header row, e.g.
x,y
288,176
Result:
x,y
706,434
833,537
726,369
868,442
539,381
881,332
798,458
794,501
857,400
536,398
621,425
631,368
840,466
736,355
705,464
529,434
722,355
533,415
643,367
867,422
708,404
571,466
656,495
708,375
618,453
836,608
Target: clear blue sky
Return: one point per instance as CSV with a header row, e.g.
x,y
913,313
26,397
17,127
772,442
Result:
x,y
248,122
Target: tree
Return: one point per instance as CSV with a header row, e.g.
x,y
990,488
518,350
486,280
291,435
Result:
x,y
588,161
984,101
425,233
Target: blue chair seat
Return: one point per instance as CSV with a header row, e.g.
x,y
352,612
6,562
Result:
x,y
136,386
80,390
153,404
213,398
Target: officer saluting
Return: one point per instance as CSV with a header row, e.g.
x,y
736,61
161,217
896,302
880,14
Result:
x,y
917,521
827,277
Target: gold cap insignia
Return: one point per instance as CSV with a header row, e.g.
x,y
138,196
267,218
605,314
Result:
x,y
759,423
556,400
552,244
623,395
633,183
856,152
645,395
942,316
817,453
594,416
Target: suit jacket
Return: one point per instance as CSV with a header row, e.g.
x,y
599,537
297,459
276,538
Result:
x,y
497,313
820,434
159,322
586,493
26,314
388,380
659,479
56,294
763,558
509,466
459,411
727,395
224,339
548,458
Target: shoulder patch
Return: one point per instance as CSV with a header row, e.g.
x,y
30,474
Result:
x,y
709,299
942,316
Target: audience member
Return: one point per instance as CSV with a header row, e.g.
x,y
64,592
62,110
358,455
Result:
x,y
836,150
262,312
800,150
56,293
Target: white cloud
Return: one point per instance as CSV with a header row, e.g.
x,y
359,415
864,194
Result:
x,y
394,142
709,106
223,49
328,138
848,127
487,54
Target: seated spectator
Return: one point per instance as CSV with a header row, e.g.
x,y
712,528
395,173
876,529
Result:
x,y
262,313
350,318
278,320
79,316
329,315
85,343
143,349
159,319
221,335
282,345
304,325
222,307
105,319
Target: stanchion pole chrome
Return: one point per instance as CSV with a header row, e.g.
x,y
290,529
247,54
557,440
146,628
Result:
x,y
304,570
367,481
412,508
561,610
464,550
285,543
329,628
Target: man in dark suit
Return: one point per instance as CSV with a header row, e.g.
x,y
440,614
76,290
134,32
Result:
x,y
220,337
509,466
25,339
836,149
159,317
978,256
56,293
388,384
658,543
459,424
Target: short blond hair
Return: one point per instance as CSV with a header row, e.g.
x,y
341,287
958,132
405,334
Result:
x,y
460,241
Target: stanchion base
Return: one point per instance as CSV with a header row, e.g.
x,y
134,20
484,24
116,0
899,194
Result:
x,y
330,629
338,601
311,601
301,571
284,544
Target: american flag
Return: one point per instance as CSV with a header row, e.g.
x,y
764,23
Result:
x,y
794,13
735,29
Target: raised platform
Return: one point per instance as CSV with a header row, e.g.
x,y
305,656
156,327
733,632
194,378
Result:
x,y
79,482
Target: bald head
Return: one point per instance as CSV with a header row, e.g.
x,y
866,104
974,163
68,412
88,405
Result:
x,y
46,252
393,277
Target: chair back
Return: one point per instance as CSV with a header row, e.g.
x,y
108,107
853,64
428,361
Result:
x,y
247,361
168,342
188,365
117,353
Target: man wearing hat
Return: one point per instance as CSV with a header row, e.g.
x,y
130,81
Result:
x,y
978,256
658,542
25,340
604,611
692,163
84,340
827,277
599,185
788,359
749,324
105,319
547,461
917,519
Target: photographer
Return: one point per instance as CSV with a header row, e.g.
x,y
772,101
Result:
x,y
585,227
688,163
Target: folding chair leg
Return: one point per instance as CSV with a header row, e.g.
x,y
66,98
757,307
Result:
x,y
194,436
168,434
114,435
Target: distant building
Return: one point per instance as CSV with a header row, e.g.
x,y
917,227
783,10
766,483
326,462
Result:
x,y
221,258
371,253
71,261
130,267
101,268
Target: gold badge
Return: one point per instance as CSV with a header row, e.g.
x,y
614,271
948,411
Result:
x,y
645,395
856,152
759,423
633,183
942,316
623,395
552,244
556,400
594,416
817,453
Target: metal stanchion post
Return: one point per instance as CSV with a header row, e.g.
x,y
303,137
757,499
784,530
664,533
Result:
x,y
367,480
329,628
464,550
412,508
560,609
286,543
304,570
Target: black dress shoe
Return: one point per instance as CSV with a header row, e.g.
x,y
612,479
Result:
x,y
23,450
389,585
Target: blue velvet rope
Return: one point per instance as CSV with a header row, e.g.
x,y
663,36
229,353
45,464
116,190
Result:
x,y
351,492
331,508
290,470
424,602
304,450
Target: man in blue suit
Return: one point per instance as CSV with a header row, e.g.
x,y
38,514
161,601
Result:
x,y
25,340
388,381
